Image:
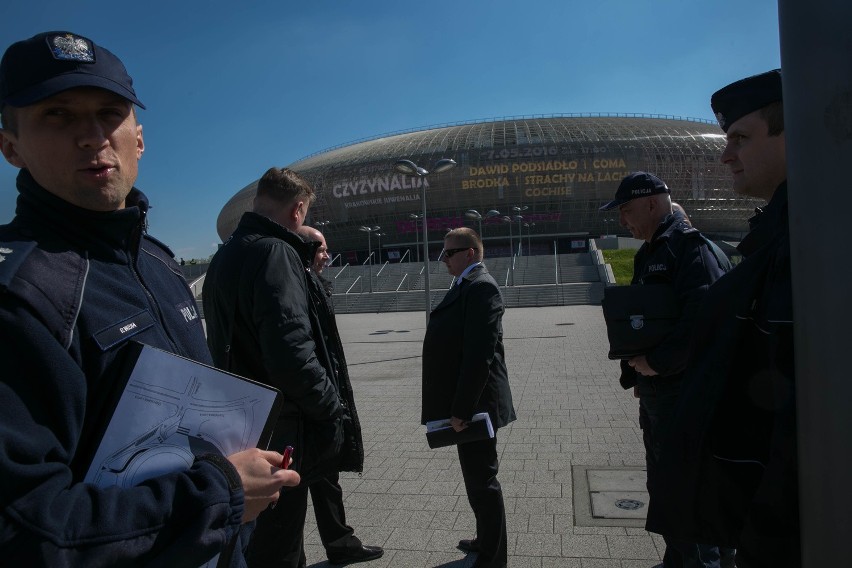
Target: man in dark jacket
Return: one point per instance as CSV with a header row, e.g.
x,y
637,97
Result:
x,y
464,373
674,254
79,279
338,538
263,324
731,465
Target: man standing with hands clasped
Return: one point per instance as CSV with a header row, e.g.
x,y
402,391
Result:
x,y
674,254
464,373
79,279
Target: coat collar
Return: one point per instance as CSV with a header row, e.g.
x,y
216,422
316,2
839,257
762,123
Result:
x,y
252,222
454,292
104,234
767,224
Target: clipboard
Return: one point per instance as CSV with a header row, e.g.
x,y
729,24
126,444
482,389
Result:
x,y
168,409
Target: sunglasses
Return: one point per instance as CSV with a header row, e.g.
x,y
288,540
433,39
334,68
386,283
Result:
x,y
448,253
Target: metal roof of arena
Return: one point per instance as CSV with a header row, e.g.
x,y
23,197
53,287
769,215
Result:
x,y
514,131
682,151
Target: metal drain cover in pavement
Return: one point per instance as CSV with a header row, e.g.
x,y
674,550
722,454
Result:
x,y
609,496
629,504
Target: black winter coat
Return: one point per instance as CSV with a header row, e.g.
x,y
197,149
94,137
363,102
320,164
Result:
x,y
464,368
331,348
732,452
263,323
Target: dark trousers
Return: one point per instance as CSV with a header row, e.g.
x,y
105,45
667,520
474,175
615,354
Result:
x,y
327,498
279,537
656,408
479,468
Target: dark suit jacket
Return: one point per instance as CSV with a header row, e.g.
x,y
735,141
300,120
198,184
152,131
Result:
x,y
464,370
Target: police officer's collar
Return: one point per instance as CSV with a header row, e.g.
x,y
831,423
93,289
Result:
x,y
766,223
104,233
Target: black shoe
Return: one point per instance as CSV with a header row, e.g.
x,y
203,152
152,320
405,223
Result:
x,y
469,545
352,555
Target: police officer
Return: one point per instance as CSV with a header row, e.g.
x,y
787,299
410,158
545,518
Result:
x,y
673,254
731,465
79,278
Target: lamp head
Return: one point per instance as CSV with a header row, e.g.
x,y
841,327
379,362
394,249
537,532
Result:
x,y
407,167
443,165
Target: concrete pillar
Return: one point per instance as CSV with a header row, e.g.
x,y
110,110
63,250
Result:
x,y
816,60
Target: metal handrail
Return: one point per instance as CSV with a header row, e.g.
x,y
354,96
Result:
x,y
369,256
407,252
330,262
198,281
353,284
382,268
341,270
404,276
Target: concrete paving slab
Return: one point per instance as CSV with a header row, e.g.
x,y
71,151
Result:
x,y
571,413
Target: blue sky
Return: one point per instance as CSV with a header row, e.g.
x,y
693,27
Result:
x,y
234,88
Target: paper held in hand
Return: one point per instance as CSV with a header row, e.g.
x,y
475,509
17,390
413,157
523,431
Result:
x,y
440,433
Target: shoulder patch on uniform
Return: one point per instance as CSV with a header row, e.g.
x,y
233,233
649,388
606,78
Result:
x,y
12,257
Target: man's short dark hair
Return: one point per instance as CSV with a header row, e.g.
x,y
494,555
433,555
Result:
x,y
466,236
773,114
283,185
8,119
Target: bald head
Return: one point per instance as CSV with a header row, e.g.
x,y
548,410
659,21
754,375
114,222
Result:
x,y
310,234
679,208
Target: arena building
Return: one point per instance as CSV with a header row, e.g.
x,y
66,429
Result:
x,y
543,177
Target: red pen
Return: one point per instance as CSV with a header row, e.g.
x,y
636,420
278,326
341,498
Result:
x,y
285,463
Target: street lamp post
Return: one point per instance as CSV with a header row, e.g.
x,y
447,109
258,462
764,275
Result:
x,y
408,167
507,219
380,235
517,209
370,231
529,227
415,216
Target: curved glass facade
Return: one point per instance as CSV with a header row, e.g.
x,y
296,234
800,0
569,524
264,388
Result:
x,y
558,170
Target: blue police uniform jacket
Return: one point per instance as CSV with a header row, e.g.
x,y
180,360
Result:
x,y
677,255
75,287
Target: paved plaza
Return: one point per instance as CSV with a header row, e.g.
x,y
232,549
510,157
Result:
x,y
577,432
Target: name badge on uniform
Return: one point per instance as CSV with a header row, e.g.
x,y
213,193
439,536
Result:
x,y
126,328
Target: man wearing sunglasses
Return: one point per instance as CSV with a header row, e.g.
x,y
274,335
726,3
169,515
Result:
x,y
464,373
